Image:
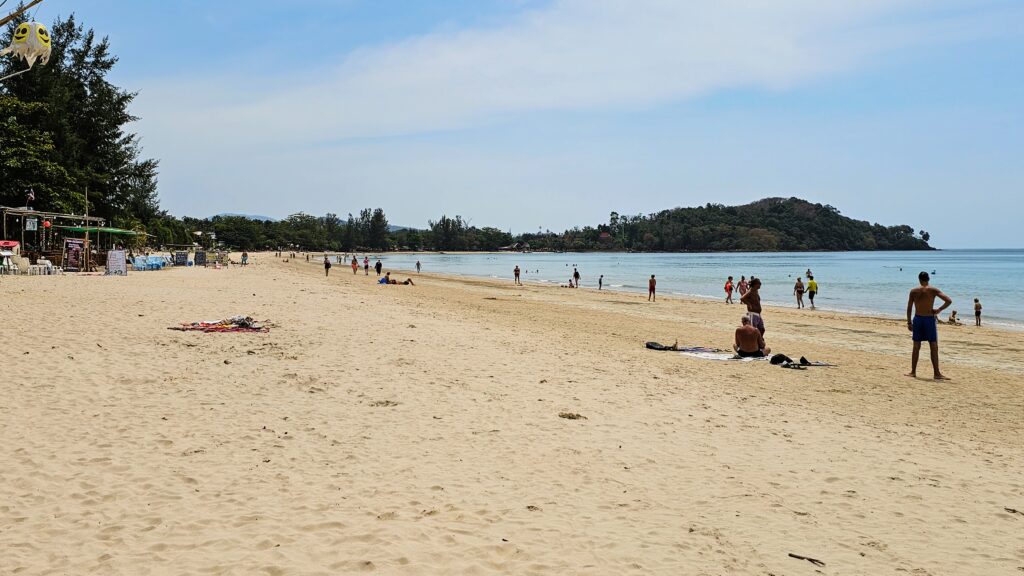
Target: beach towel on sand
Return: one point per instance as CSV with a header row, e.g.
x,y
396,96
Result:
x,y
677,348
233,324
719,356
702,352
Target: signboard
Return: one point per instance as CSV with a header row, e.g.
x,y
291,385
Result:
x,y
117,263
31,224
200,258
181,258
74,254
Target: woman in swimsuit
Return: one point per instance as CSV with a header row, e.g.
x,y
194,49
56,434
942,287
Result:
x,y
798,289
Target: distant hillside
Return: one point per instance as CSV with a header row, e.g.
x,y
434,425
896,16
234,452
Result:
x,y
248,216
771,224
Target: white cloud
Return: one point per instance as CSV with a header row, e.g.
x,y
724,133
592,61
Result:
x,y
233,142
571,55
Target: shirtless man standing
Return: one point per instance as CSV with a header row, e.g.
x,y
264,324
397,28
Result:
x,y
923,325
753,301
749,342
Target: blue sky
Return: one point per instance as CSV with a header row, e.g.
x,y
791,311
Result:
x,y
524,114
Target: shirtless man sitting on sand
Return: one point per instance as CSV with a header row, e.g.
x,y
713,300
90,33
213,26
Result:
x,y
923,325
749,342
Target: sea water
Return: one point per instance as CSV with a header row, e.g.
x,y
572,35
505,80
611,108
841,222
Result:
x,y
859,282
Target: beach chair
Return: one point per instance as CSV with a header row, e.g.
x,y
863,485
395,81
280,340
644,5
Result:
x,y
48,268
7,265
139,263
154,263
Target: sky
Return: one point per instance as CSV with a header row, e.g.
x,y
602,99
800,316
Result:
x,y
531,114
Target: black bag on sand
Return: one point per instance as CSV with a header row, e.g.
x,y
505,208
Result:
x,y
781,359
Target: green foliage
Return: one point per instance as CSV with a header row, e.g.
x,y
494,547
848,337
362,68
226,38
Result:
x,y
28,160
65,124
772,224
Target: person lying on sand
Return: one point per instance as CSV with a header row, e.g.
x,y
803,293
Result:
x,y
749,342
407,282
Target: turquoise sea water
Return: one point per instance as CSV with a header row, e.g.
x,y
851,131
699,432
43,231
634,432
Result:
x,y
860,282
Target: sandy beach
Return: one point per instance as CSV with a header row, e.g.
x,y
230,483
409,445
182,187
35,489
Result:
x,y
417,430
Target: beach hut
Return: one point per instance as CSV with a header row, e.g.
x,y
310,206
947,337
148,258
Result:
x,y
38,231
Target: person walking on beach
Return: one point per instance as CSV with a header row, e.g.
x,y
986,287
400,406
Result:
x,y
327,266
600,281
417,266
378,266
742,287
245,258
923,326
576,276
753,301
977,312
798,289
728,290
812,289
355,265
366,265
652,284
516,273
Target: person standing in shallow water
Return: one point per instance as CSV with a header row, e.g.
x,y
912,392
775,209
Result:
x,y
924,325
516,273
812,289
798,289
576,276
417,266
600,281
652,285
728,290
977,312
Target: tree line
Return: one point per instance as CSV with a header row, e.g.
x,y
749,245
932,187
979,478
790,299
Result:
x,y
772,224
64,137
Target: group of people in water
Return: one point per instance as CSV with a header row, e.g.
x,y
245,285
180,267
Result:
x,y
799,289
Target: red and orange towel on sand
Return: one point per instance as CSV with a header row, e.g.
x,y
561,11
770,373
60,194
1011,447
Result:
x,y
233,324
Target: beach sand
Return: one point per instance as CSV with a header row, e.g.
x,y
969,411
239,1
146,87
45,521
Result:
x,y
416,430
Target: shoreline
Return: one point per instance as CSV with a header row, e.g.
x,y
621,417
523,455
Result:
x,y
998,325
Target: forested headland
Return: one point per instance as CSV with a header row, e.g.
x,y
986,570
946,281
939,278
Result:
x,y
64,136
772,224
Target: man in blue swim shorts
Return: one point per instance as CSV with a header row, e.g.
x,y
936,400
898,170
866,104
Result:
x,y
923,325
